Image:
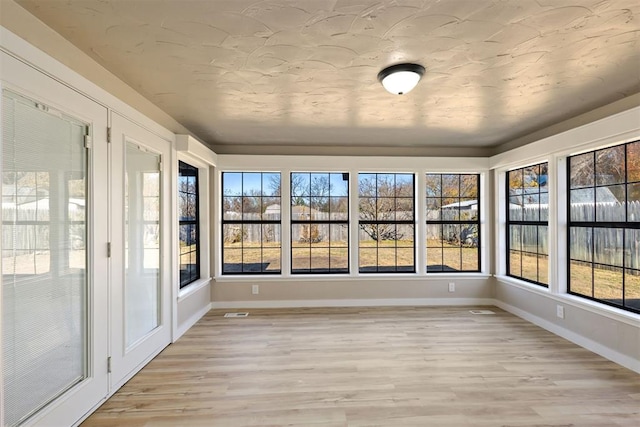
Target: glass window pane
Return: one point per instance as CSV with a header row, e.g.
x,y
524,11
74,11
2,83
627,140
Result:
x,y
633,161
470,258
232,208
468,209
404,209
339,184
607,284
433,209
252,259
367,186
515,263
300,186
368,259
613,209
633,207
580,278
434,259
582,171
583,204
320,208
404,259
339,208
531,209
434,235
433,185
452,259
142,241
385,209
529,264
232,260
450,185
300,258
339,235
270,184
387,259
367,208
632,289
543,269
320,259
581,243
404,185
232,184
339,259
251,184
469,186
606,246
320,185
610,165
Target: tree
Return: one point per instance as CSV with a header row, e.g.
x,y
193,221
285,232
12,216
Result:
x,y
384,199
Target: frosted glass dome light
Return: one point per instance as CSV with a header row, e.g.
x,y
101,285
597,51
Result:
x,y
401,78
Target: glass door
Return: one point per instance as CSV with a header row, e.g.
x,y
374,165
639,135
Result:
x,y
54,316
141,311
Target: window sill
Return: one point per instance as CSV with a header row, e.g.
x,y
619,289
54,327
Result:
x,y
575,301
193,287
399,277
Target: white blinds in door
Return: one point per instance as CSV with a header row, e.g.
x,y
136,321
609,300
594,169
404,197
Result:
x,y
44,260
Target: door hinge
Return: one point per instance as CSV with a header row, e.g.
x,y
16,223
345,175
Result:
x,y
108,249
88,140
109,365
160,166
109,134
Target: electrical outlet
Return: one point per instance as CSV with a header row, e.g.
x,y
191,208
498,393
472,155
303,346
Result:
x,y
452,287
560,311
255,289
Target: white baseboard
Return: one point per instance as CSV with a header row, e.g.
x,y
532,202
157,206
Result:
x,y
355,303
606,352
191,321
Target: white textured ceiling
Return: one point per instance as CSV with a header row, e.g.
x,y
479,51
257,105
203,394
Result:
x,y
304,72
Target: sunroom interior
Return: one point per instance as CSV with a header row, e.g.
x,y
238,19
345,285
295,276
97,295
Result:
x,y
160,162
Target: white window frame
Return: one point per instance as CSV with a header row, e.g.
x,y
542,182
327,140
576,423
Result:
x,y
419,166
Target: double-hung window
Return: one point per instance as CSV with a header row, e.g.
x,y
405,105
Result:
x,y
386,223
604,225
319,222
453,222
251,222
527,224
188,223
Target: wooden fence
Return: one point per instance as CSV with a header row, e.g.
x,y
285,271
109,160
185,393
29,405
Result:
x,y
600,245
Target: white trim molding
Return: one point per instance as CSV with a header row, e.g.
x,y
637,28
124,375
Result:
x,y
606,352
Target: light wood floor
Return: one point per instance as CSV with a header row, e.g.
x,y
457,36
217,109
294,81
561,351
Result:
x,y
374,367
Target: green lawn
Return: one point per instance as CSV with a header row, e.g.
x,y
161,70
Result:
x,y
386,253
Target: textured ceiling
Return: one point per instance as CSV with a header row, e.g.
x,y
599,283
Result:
x,y
304,72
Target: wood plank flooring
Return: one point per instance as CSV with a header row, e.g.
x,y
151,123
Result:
x,y
419,366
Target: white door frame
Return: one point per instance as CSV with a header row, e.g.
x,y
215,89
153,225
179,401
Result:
x,y
25,80
127,362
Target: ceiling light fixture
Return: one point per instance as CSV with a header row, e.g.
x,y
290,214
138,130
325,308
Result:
x,y
400,78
